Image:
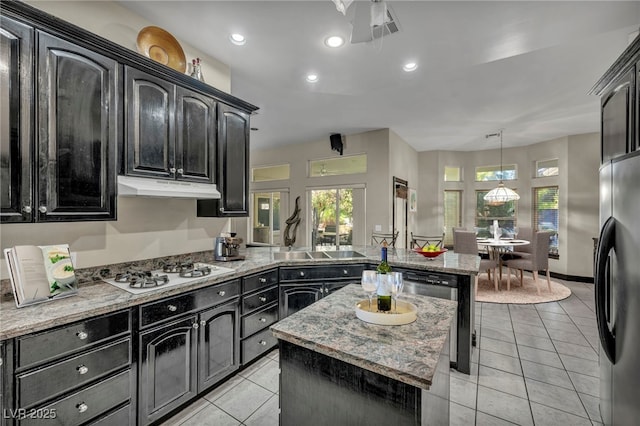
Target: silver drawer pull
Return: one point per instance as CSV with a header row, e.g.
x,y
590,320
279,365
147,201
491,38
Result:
x,y
42,209
302,273
263,343
263,280
172,308
180,171
82,369
195,325
203,323
262,299
345,272
222,292
82,407
82,335
262,320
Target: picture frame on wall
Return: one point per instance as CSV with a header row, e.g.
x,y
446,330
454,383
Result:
x,y
413,200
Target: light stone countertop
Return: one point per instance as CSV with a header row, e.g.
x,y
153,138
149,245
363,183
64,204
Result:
x,y
97,297
407,353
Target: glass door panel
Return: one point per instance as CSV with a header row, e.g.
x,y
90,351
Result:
x,y
332,217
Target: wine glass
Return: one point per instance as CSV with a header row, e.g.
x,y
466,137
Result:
x,y
397,284
515,232
370,284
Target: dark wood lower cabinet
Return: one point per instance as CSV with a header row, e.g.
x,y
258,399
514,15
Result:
x,y
219,348
168,376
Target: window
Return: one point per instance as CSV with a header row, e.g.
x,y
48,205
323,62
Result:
x,y
332,216
452,214
486,213
268,173
547,168
346,165
485,173
265,217
545,214
452,174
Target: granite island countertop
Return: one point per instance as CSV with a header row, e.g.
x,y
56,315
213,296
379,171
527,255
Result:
x,y
407,353
96,297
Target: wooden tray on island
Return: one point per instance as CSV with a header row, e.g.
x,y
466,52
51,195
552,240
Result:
x,y
406,313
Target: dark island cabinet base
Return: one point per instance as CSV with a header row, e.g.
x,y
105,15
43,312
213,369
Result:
x,y
317,390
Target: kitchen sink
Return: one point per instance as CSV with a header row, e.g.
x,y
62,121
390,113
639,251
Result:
x,y
318,254
343,254
291,255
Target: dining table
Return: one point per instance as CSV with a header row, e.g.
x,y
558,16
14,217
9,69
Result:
x,y
497,247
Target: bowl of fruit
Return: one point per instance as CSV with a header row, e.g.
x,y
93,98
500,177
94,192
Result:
x,y
430,251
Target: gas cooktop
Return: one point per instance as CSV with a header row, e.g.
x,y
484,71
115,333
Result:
x,y
137,281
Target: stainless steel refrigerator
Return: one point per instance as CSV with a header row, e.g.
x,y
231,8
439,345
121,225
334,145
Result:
x,y
617,288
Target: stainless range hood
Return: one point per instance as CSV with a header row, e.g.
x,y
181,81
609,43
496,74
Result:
x,y
129,186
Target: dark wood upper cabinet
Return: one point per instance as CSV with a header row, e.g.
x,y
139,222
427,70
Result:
x,y
78,132
617,118
232,166
16,114
170,130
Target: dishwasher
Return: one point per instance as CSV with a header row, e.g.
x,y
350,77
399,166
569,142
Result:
x,y
434,284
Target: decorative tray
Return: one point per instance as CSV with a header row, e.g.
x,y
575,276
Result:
x,y
406,313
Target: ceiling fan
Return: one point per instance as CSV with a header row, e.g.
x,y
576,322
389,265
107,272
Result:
x,y
370,20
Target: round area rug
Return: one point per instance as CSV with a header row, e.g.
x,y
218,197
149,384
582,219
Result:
x,y
520,295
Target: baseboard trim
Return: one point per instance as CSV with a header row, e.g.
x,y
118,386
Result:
x,y
572,278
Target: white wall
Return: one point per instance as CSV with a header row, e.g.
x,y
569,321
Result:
x,y
145,228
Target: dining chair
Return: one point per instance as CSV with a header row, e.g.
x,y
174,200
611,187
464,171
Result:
x,y
465,243
454,229
523,251
378,238
420,241
539,260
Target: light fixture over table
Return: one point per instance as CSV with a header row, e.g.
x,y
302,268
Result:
x,y
501,194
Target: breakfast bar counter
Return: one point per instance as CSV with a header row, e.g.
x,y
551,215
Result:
x,y
336,368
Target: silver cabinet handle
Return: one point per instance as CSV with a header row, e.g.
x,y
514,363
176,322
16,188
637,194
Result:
x,y
262,320
82,369
203,323
172,308
262,299
180,171
82,335
82,407
263,280
42,209
302,273
222,292
195,325
172,170
26,209
222,209
0,362
263,343
345,272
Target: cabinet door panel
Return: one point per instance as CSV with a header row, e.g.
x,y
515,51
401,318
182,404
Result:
x,y
233,161
150,130
195,137
617,119
298,296
168,378
78,129
16,115
219,352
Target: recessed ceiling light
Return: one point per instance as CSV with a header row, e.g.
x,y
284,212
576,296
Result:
x,y
410,66
237,39
334,41
312,78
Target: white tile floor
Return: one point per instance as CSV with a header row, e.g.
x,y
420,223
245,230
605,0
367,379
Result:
x,y
534,364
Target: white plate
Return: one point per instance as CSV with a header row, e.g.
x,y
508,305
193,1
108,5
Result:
x,y
407,313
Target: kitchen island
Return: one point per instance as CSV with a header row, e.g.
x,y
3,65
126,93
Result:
x,y
337,369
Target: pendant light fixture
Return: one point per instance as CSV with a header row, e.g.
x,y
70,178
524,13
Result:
x,y
501,194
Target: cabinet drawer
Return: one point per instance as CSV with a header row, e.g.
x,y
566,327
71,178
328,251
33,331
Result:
x,y
189,302
62,376
259,320
256,345
321,272
48,345
259,300
87,404
263,279
122,416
